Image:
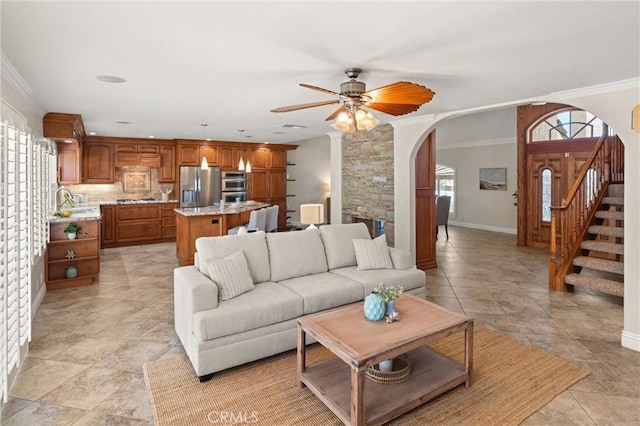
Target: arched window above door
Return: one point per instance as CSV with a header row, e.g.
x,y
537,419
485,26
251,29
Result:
x,y
567,124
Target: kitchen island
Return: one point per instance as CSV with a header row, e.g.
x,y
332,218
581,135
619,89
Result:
x,y
211,221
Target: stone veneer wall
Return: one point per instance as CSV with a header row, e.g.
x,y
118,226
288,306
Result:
x,y
367,177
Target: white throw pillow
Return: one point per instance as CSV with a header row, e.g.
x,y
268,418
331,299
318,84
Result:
x,y
231,274
372,254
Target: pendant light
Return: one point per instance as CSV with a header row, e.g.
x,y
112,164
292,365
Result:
x,y
204,165
248,166
241,162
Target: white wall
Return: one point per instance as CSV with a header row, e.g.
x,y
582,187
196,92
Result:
x,y
476,208
312,174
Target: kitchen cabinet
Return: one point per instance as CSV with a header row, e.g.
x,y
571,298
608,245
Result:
x,y
167,171
143,223
69,160
137,155
82,253
189,155
258,183
68,131
108,226
259,158
169,220
98,162
278,159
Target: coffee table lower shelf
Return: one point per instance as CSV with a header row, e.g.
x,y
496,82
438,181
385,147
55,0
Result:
x,y
432,374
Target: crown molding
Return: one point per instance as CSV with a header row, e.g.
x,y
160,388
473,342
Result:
x,y
475,144
614,86
15,80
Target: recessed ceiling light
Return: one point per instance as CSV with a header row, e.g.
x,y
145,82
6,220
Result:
x,y
123,122
539,103
92,133
292,126
151,137
278,133
111,79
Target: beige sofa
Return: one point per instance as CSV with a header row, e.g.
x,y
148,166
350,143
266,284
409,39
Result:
x,y
293,274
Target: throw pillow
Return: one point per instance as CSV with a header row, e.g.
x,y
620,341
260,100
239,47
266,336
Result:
x,y
372,254
231,274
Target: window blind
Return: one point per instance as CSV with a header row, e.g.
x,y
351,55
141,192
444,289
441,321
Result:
x,y
24,231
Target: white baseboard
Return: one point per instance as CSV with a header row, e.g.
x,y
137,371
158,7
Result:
x,y
38,300
484,227
631,341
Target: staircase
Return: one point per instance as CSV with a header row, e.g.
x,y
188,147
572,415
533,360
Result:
x,y
601,264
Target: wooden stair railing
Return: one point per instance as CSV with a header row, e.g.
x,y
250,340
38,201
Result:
x,y
569,222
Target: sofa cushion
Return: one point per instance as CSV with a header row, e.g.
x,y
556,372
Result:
x,y
407,278
268,303
337,243
295,254
231,275
324,291
254,247
372,254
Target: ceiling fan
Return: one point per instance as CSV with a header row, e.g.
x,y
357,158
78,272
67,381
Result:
x,y
396,99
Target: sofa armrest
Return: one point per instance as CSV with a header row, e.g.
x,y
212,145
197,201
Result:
x,y
401,259
196,289
192,292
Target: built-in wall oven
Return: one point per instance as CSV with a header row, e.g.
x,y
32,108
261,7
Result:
x,y
234,197
234,181
234,187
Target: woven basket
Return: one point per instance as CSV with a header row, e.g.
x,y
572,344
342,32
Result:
x,y
400,371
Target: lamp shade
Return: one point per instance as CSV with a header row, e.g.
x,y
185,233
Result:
x,y
311,214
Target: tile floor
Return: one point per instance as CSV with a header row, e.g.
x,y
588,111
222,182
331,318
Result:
x,y
89,344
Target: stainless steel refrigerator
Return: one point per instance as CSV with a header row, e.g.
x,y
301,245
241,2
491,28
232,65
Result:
x,y
199,188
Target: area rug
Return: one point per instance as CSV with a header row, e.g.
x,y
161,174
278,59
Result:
x,y
510,381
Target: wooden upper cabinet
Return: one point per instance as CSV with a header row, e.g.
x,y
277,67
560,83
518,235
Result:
x,y
98,162
278,159
63,127
211,153
167,171
259,158
69,160
189,155
226,157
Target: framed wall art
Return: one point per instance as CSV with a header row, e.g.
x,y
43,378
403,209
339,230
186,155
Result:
x,y
493,179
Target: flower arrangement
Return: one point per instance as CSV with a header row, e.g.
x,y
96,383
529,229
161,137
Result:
x,y
388,293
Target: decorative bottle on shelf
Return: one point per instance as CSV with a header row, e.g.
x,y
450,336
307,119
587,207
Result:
x,y
71,271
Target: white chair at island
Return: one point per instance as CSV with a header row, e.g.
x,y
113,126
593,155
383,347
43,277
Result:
x,y
272,218
257,221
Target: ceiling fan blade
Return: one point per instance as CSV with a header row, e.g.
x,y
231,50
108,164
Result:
x,y
393,109
304,106
319,89
335,113
402,92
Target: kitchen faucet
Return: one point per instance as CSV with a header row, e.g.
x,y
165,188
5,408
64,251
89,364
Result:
x,y
68,198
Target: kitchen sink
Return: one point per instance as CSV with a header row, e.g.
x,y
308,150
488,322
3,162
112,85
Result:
x,y
80,210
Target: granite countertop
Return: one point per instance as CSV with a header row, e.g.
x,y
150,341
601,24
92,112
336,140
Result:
x,y
230,208
91,210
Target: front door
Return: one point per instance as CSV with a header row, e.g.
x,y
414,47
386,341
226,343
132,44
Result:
x,y
552,168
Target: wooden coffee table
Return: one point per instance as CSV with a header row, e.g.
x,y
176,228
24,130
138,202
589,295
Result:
x,y
341,384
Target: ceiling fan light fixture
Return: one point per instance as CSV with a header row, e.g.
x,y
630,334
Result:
x,y
344,123
349,122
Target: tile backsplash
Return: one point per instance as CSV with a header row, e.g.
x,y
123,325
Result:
x,y
111,192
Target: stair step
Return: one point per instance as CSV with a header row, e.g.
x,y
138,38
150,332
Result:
x,y
599,264
616,190
599,284
612,231
613,201
606,214
602,246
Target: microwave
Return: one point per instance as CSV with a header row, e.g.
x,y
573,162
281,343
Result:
x,y
234,181
234,197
